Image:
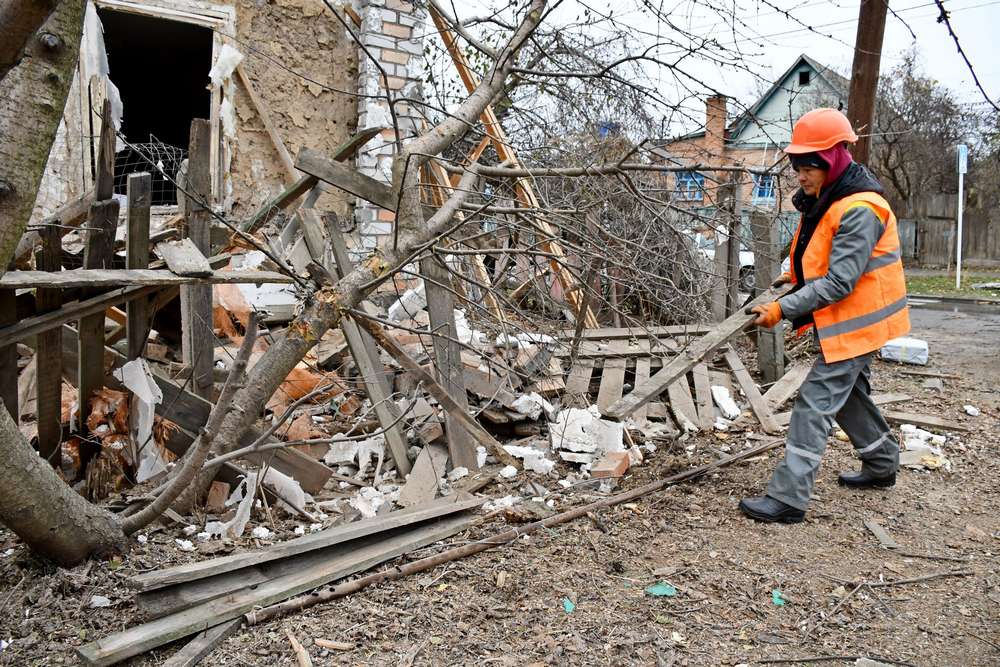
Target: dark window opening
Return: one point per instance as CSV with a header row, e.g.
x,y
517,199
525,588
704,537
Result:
x,y
804,78
161,70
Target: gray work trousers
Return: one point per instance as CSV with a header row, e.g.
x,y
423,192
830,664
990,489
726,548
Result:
x,y
832,391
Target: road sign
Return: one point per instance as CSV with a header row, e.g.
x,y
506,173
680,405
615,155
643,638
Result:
x,y
963,159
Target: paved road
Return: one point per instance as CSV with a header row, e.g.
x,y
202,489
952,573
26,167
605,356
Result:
x,y
963,337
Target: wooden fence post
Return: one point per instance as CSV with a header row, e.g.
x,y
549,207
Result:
x,y
48,352
137,257
8,354
766,251
197,342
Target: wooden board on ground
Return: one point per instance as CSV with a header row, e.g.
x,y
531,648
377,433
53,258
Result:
x,y
368,553
752,394
641,375
422,483
878,399
203,643
923,421
703,396
339,534
612,382
620,348
682,405
881,534
184,258
785,388
578,381
619,333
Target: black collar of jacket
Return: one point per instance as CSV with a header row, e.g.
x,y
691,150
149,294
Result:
x,y
856,178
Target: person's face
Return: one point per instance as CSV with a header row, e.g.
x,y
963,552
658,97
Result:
x,y
811,179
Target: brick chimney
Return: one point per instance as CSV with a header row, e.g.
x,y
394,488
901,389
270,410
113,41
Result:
x,y
715,128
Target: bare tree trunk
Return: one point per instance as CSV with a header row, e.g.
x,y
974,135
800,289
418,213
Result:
x,y
32,99
55,521
52,519
19,20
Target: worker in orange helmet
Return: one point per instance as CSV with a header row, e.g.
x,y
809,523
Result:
x,y
849,289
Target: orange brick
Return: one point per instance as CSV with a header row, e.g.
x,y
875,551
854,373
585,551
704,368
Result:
x,y
396,30
612,464
396,82
217,495
386,216
398,57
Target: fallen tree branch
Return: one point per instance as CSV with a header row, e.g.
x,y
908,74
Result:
x,y
349,587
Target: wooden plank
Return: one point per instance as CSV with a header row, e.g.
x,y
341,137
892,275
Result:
x,y
98,254
783,418
682,405
923,421
785,388
757,403
368,553
612,380
639,333
703,396
620,348
641,375
48,353
137,322
197,337
190,412
688,358
367,358
881,534
108,278
203,643
69,215
578,381
8,354
929,374
346,178
448,359
183,258
104,182
325,538
767,256
422,484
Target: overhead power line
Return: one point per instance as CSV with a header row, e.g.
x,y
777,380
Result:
x,y
944,18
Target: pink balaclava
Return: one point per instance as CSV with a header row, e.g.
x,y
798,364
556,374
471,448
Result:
x,y
839,158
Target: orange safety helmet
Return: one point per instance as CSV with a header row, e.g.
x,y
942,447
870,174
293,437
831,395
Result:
x,y
820,129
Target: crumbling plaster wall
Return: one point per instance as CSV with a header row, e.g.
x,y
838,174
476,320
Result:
x,y
303,65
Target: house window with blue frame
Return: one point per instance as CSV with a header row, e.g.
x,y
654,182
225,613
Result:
x,y
690,186
763,189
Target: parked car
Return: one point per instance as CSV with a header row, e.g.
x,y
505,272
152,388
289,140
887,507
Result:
x,y
704,244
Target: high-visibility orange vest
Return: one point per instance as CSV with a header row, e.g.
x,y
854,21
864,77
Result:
x,y
875,311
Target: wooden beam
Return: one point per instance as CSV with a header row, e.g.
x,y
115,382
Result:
x,y
104,182
785,388
69,215
291,176
98,254
783,418
8,355
923,421
703,396
688,358
346,178
48,354
109,278
757,403
639,333
140,189
203,643
197,336
366,355
522,187
366,554
448,359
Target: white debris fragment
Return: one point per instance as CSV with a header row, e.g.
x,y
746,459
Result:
x,y
581,430
368,501
146,395
508,472
341,451
288,490
523,340
480,456
4,643
369,448
721,424
299,530
242,496
532,405
407,306
190,530
534,459
185,545
225,64
315,527
458,473
634,455
465,333
261,532
98,601
141,539
725,402
203,536
971,410
906,350
501,503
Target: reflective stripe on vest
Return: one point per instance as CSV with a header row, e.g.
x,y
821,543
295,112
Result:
x,y
862,321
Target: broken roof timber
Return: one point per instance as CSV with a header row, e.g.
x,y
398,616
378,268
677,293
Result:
x,y
103,278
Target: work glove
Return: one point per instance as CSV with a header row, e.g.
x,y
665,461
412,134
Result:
x,y
783,279
768,315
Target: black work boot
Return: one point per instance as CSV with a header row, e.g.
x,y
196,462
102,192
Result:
x,y
865,480
771,510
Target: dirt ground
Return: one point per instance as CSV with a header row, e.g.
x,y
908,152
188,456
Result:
x,y
725,569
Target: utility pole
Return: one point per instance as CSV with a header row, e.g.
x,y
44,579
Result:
x,y
864,73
